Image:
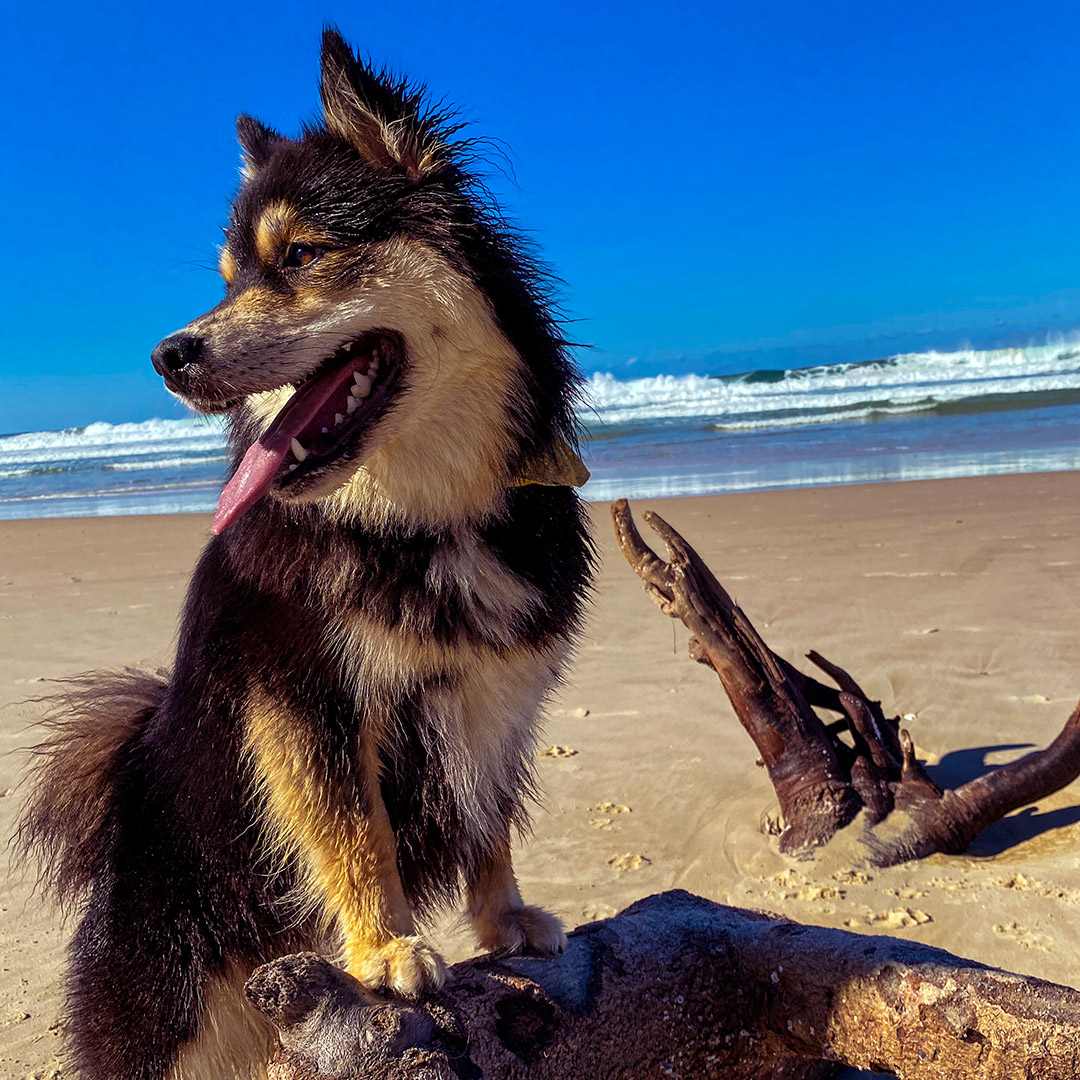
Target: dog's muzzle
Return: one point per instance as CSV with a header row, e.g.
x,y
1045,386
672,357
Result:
x,y
173,356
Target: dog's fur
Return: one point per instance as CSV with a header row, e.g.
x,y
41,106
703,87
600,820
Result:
x,y
345,739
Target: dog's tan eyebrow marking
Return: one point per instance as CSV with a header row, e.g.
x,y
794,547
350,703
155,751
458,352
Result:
x,y
227,266
277,226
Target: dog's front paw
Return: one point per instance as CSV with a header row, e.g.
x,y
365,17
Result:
x,y
402,965
523,929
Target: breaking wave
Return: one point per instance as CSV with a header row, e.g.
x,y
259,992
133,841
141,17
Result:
x,y
976,380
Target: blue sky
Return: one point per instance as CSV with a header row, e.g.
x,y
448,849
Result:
x,y
721,185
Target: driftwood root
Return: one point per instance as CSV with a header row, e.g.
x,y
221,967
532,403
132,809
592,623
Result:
x,y
823,773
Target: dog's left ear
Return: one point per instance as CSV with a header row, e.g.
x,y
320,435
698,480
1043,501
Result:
x,y
257,141
376,114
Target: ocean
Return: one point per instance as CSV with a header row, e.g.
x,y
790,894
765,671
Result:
x,y
912,416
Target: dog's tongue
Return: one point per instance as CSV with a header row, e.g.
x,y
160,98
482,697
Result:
x,y
254,475
263,460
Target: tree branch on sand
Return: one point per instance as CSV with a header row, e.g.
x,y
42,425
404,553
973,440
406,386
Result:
x,y
677,986
822,780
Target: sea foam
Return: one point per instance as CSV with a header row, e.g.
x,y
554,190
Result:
x,y
910,382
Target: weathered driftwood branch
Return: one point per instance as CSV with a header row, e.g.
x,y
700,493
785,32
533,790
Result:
x,y
678,986
821,780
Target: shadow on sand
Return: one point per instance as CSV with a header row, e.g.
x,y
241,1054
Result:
x,y
960,766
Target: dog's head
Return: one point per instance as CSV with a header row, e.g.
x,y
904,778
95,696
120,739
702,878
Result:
x,y
383,339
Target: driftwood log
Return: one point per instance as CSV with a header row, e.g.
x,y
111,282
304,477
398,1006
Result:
x,y
825,772
677,986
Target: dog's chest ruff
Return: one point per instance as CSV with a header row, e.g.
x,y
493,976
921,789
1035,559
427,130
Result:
x,y
457,661
456,609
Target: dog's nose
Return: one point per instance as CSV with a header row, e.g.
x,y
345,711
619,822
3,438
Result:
x,y
175,353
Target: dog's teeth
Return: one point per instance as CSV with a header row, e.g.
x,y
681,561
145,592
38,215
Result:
x,y
362,387
352,406
338,418
325,431
292,467
298,451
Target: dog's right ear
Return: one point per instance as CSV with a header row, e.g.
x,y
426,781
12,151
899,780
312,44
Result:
x,y
378,114
257,141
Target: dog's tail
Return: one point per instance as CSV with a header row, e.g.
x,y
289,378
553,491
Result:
x,y
66,821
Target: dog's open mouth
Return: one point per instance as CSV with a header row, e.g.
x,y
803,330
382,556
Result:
x,y
322,423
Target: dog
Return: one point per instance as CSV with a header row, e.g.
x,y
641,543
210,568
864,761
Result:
x,y
397,574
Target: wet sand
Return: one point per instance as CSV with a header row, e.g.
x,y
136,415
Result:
x,y
953,601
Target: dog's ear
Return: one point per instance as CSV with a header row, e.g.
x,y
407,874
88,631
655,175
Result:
x,y
257,141
376,114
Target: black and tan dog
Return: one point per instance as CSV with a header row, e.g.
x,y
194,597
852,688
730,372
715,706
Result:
x,y
345,740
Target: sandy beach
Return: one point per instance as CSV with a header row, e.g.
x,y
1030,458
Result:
x,y
954,601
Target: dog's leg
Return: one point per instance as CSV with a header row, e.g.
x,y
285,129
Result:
x,y
142,1003
330,813
360,880
502,920
234,1041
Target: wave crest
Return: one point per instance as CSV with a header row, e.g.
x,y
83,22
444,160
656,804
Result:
x,y
910,382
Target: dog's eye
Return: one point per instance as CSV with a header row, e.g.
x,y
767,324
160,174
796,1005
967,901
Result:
x,y
300,255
